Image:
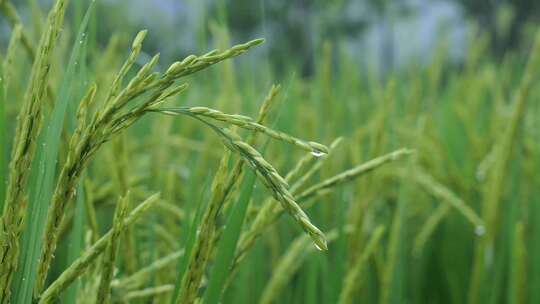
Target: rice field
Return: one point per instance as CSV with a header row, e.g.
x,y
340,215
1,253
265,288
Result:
x,y
212,179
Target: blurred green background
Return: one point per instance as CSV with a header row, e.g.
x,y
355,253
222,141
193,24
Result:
x,y
385,35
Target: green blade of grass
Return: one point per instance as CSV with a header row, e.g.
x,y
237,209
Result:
x,y
76,244
227,245
76,237
3,140
393,284
43,179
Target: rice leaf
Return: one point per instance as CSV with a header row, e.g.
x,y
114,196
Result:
x,y
3,140
76,238
227,245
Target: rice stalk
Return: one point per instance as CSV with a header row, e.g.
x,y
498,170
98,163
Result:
x,y
270,177
440,191
274,183
109,259
297,172
100,196
189,144
429,227
202,248
90,210
352,280
235,177
171,209
319,162
76,243
191,227
120,171
451,200
79,266
246,122
377,138
353,173
268,103
391,290
140,277
298,177
147,292
268,214
247,239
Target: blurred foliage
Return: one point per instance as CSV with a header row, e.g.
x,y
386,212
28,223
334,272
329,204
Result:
x,y
503,20
296,29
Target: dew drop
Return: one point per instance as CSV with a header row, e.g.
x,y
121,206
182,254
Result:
x,y
480,230
317,153
318,247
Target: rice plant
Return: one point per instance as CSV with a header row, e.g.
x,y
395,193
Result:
x,y
126,179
